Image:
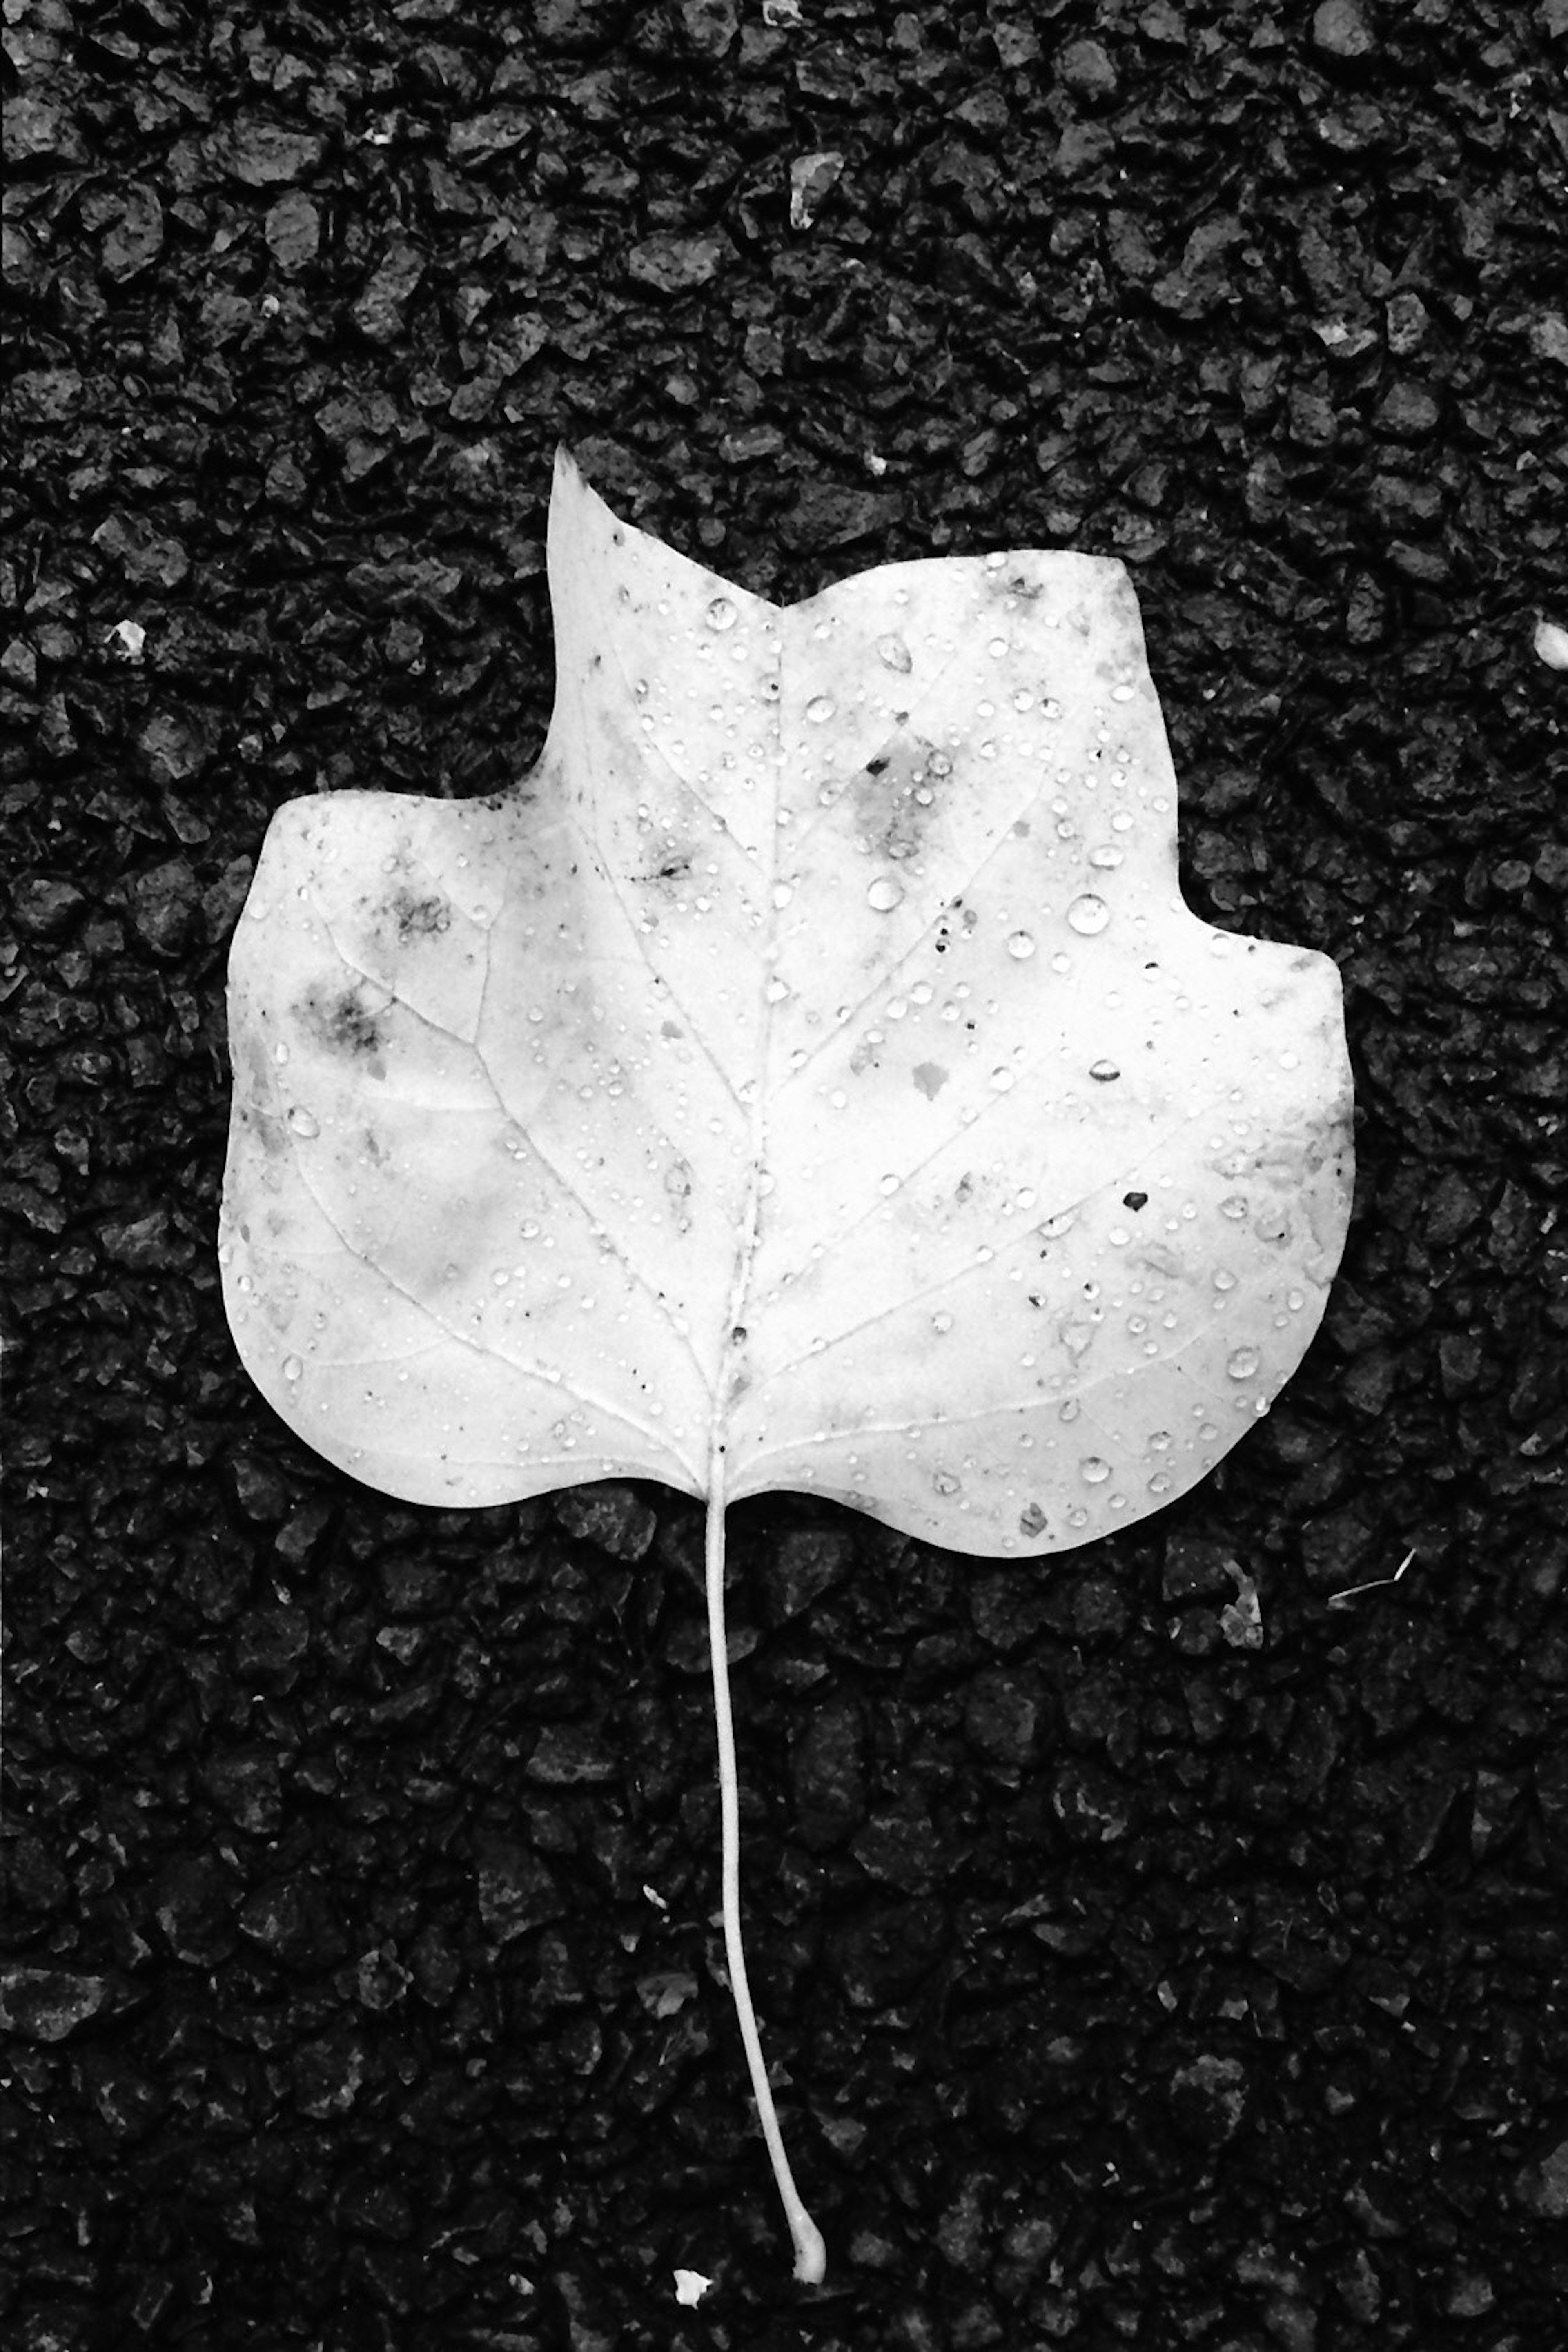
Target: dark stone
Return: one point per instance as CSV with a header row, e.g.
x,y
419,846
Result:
x,y
46,909
671,263
1341,31
265,154
824,517
516,1892
801,1566
381,310
828,1776
49,2004
1208,2099
1002,1715
610,1516
1085,69
196,1904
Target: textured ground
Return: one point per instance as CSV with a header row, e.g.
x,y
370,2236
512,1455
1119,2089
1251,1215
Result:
x,y
1133,1980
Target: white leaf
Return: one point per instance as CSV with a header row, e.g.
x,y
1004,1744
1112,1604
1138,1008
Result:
x,y
809,1077
811,1067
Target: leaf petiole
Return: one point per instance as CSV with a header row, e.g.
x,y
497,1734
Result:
x,y
810,2254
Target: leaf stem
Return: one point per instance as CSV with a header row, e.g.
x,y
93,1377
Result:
x,y
810,2254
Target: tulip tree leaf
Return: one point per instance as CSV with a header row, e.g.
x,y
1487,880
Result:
x,y
809,1077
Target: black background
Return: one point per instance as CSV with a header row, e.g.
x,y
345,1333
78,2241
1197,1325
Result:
x,y
1127,1984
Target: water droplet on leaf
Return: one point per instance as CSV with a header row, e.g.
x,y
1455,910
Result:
x,y
1089,914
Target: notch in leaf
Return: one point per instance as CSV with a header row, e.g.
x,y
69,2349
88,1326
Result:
x,y
809,1077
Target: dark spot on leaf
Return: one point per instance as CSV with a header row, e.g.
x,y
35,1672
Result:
x,y
342,1021
417,917
678,1192
1133,1200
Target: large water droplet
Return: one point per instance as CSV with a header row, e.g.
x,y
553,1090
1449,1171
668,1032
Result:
x,y
1242,1362
301,1122
1104,1071
942,1322
292,1368
1088,915
895,652
820,709
884,894
782,893
1093,1471
721,614
1002,1081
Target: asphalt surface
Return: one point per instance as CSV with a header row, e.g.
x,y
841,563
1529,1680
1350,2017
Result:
x,y
1152,1952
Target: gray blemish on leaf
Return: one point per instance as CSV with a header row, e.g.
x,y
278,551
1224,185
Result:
x,y
895,796
417,917
342,1021
1014,582
678,1192
929,1078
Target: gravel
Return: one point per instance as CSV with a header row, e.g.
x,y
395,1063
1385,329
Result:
x,y
1151,1952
